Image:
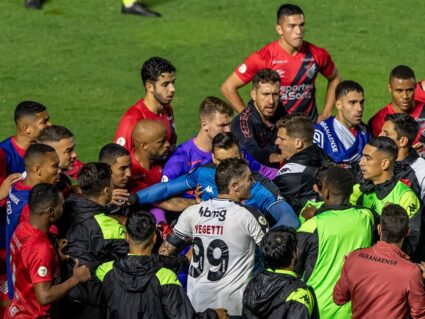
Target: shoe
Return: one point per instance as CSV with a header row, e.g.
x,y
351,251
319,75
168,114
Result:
x,y
33,4
140,9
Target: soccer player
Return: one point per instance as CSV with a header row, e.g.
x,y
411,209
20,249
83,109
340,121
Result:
x,y
277,292
143,282
380,281
303,158
401,86
297,61
381,187
224,234
92,236
42,166
336,229
151,147
30,119
214,117
344,136
158,77
409,167
264,194
118,158
255,125
34,260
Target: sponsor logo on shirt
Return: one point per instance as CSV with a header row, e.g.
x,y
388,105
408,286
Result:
x,y
209,189
42,271
328,133
206,212
121,141
281,73
279,61
242,68
296,92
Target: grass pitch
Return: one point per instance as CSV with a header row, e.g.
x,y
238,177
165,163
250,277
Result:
x,y
82,59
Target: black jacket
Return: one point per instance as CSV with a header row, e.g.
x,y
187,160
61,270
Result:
x,y
254,136
144,287
266,296
93,238
296,178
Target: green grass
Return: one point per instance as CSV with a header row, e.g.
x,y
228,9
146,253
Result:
x,y
82,58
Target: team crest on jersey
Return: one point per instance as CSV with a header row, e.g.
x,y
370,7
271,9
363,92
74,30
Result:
x,y
242,68
262,220
311,72
281,73
42,271
121,141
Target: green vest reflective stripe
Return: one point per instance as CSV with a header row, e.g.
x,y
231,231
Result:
x,y
303,296
339,232
167,277
283,272
401,194
103,269
110,227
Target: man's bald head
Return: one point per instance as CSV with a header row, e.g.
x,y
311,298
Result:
x,y
150,138
146,131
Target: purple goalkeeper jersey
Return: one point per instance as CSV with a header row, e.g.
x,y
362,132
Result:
x,y
185,158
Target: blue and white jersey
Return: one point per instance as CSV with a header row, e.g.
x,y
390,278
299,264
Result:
x,y
339,142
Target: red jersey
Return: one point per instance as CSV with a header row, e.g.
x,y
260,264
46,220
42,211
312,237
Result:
x,y
297,73
141,177
419,92
33,261
377,121
140,111
381,282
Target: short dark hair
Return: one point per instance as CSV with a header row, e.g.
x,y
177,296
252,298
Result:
x,y
386,145
265,76
297,126
394,223
28,108
42,196
404,125
402,72
225,141
35,153
340,181
211,105
347,86
288,9
111,152
226,171
93,178
153,67
140,226
278,247
54,133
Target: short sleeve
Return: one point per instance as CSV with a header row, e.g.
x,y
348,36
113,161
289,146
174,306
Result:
x,y
257,225
250,66
326,65
175,166
410,202
39,263
183,228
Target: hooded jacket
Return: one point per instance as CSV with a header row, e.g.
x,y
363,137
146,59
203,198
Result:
x,y
93,238
278,294
296,178
136,287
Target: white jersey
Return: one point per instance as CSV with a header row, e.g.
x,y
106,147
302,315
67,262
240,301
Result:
x,y
224,237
